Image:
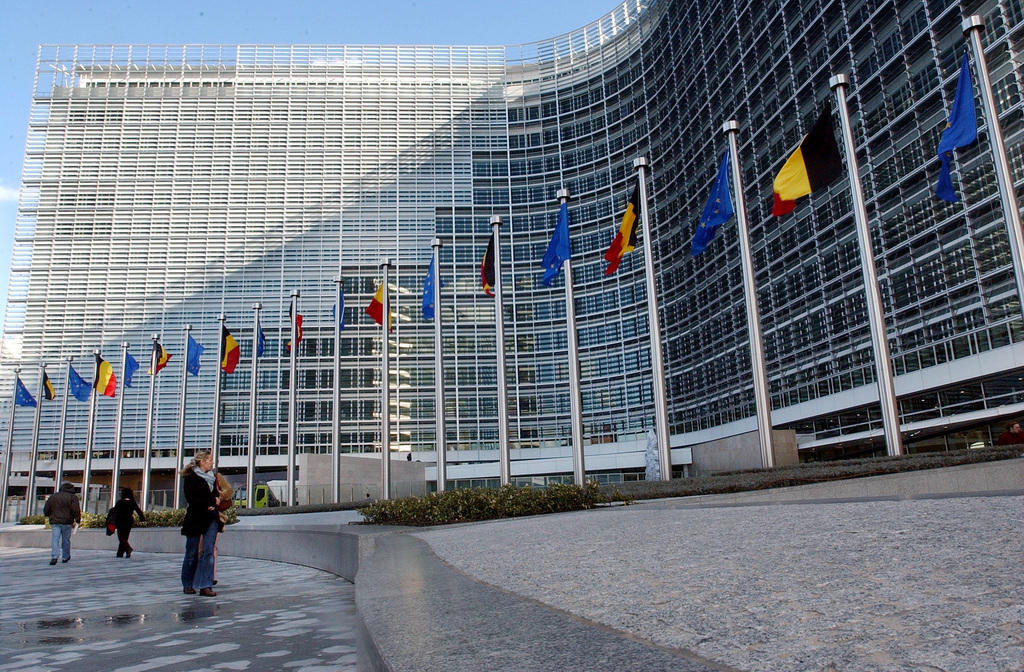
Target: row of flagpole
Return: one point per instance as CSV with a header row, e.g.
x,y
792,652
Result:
x,y
961,131
559,255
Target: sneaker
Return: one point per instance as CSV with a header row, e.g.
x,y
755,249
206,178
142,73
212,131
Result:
x,y
207,592
66,559
189,591
53,561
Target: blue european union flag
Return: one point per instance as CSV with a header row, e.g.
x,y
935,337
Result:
x,y
79,388
428,291
961,130
717,210
130,367
559,249
22,397
261,342
334,314
193,351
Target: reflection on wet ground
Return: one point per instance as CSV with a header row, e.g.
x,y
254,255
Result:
x,y
93,614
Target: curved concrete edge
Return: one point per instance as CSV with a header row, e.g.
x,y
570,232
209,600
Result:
x,y
424,615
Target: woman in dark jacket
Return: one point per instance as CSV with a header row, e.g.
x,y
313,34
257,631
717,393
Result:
x,y
200,525
124,517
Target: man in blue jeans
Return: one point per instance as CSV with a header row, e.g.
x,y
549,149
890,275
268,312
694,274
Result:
x,y
63,511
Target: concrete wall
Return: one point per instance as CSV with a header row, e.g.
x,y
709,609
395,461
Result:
x,y
360,476
742,451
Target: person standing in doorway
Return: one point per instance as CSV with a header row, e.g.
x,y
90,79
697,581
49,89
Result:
x,y
63,510
124,519
200,526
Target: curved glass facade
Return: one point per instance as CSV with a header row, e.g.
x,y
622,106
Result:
x,y
164,185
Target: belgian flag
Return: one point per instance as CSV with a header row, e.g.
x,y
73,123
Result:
x,y
105,383
376,308
229,350
487,269
48,392
625,239
162,357
298,329
814,165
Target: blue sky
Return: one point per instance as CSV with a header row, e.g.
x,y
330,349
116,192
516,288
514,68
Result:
x,y
28,24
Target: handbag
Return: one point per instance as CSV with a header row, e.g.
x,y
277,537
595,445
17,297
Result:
x,y
111,522
225,492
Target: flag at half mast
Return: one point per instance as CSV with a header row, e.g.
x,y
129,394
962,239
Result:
x,y
625,240
814,165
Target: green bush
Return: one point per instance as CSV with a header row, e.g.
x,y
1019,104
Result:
x,y
469,504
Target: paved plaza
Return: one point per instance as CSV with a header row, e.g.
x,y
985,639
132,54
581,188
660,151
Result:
x,y
904,584
924,584
100,613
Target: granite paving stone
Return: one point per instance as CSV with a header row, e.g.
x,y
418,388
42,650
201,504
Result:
x,y
922,584
98,612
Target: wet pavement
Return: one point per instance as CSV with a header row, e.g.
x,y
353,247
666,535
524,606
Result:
x,y
98,612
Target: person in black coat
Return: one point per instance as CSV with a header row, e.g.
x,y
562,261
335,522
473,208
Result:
x,y
200,526
124,518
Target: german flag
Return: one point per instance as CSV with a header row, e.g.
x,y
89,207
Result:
x,y
376,308
814,165
229,350
625,239
105,383
48,392
162,356
487,269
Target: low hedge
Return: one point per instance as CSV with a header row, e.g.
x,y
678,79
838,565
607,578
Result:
x,y
809,472
469,504
154,518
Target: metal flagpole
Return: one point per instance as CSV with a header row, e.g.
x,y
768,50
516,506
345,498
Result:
x,y
89,434
147,457
504,457
7,448
336,407
215,438
179,449
762,403
579,471
59,473
115,482
293,385
385,386
250,472
657,363
30,491
439,428
1011,212
876,318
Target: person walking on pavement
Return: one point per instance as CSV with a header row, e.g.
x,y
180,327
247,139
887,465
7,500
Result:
x,y
124,518
200,526
63,511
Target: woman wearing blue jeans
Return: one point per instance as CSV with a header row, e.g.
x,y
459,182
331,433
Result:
x,y
200,526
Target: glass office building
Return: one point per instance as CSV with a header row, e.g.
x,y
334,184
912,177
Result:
x,y
167,185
